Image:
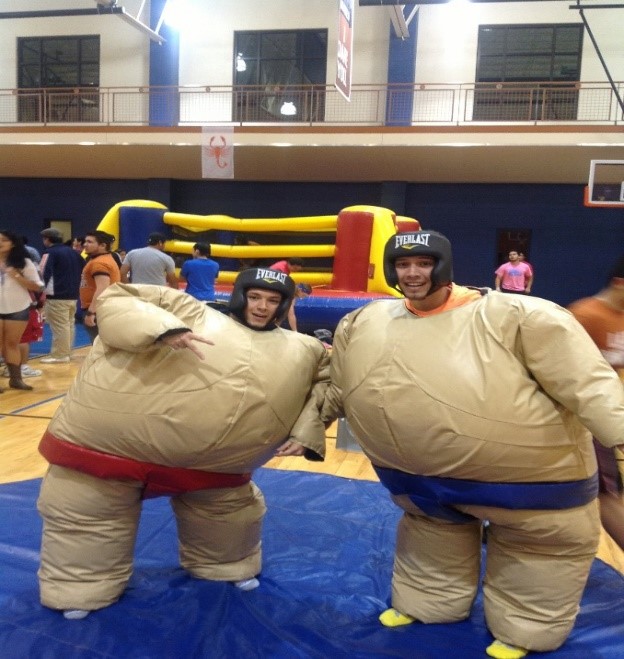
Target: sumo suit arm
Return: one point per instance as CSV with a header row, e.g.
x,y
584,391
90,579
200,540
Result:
x,y
571,370
309,430
134,317
333,406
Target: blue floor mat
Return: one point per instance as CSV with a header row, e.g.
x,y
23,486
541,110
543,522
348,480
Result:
x,y
328,544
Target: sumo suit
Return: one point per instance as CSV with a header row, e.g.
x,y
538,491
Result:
x,y
143,420
476,414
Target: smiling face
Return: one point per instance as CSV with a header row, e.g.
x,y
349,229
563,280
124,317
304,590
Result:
x,y
414,275
261,307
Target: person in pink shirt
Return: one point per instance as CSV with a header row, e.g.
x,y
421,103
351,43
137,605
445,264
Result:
x,y
293,264
515,276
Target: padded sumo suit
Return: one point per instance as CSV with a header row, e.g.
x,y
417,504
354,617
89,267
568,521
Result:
x,y
216,419
475,414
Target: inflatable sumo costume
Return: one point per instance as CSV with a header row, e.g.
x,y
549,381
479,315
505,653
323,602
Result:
x,y
472,412
144,420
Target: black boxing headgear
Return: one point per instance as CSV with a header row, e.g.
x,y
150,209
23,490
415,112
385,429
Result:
x,y
420,243
268,280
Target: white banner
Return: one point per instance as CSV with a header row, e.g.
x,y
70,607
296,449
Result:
x,y
218,152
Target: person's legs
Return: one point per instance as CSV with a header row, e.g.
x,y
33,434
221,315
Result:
x,y
89,529
219,532
11,336
60,317
436,566
612,516
536,569
610,492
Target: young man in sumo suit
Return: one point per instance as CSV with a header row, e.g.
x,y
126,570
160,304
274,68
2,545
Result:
x,y
181,400
472,406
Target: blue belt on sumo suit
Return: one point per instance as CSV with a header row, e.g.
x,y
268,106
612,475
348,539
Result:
x,y
437,496
159,480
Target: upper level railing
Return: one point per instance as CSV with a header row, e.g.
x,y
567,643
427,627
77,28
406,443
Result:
x,y
314,105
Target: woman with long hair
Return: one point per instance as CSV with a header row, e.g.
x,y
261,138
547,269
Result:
x,y
18,278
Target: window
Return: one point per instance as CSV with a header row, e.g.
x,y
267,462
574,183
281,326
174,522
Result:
x,y
528,72
63,74
274,72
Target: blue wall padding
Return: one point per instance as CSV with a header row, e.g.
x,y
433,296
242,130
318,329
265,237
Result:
x,y
135,225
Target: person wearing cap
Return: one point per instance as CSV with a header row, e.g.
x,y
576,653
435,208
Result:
x,y
473,406
176,399
61,269
100,272
150,265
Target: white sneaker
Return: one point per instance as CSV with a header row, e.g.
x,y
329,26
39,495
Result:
x,y
55,360
28,372
247,584
75,614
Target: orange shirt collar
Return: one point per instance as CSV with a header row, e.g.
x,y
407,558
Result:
x,y
459,296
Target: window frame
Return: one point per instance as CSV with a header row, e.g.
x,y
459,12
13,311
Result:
x,y
512,96
298,77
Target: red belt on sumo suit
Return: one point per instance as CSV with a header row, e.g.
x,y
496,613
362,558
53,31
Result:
x,y
159,480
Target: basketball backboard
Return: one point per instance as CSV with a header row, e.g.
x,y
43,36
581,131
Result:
x,y
606,183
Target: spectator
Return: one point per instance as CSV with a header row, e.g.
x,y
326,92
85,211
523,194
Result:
x,y
18,278
33,254
62,268
78,244
289,265
200,273
33,333
150,265
242,240
302,291
514,276
100,272
602,316
522,259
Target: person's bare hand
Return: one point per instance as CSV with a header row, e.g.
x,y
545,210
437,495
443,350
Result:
x,y
290,447
187,340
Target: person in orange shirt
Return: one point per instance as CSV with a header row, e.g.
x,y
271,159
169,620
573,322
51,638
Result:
x,y
98,274
472,406
602,315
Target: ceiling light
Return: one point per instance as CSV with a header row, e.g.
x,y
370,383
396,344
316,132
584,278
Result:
x,y
288,109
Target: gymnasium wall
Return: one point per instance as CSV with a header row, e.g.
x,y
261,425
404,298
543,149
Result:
x,y
571,249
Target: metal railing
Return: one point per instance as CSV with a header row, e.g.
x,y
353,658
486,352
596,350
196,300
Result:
x,y
314,105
